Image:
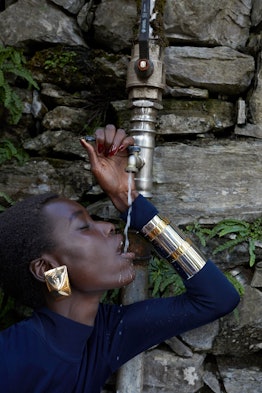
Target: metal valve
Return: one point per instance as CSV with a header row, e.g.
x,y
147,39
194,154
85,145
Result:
x,y
135,161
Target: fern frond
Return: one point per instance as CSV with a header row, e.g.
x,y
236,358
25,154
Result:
x,y
13,62
228,245
251,249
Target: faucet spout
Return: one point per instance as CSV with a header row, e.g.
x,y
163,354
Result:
x,y
135,161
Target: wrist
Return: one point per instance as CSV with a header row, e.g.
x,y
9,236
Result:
x,y
120,200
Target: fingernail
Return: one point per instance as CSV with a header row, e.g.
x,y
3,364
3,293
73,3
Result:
x,y
121,148
100,148
112,151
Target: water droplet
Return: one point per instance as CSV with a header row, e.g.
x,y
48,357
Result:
x,y
120,333
117,358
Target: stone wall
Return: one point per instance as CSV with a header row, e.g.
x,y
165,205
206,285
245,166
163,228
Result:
x,y
207,162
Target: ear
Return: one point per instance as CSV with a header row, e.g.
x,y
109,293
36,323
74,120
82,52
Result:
x,y
39,266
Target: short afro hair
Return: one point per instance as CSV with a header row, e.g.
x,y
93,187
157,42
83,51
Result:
x,y
25,233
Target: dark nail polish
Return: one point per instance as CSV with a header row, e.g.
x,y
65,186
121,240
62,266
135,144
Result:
x,y
100,148
112,151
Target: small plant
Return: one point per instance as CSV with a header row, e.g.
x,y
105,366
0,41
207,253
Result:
x,y
238,286
9,151
236,231
60,60
111,296
163,280
13,62
7,199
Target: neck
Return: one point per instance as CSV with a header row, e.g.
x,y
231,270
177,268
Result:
x,y
82,309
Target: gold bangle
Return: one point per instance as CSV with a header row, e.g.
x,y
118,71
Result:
x,y
174,246
158,228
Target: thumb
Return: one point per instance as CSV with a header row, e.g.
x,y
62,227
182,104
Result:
x,y
90,151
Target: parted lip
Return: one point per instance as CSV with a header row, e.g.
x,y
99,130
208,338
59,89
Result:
x,y
120,245
120,249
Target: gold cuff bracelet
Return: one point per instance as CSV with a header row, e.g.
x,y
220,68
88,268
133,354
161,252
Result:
x,y
174,246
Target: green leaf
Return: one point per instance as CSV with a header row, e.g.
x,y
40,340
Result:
x,y
232,229
228,245
251,249
13,62
237,285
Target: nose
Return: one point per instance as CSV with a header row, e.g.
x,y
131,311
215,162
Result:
x,y
107,228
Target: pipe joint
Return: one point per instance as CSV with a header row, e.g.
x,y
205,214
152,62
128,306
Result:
x,y
145,74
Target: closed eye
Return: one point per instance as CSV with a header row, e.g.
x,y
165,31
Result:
x,y
86,226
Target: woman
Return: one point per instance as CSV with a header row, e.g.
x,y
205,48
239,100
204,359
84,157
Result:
x,y
59,261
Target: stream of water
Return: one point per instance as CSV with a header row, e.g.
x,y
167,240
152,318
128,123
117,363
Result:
x,y
129,212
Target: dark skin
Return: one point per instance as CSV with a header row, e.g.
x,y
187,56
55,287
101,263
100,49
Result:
x,y
91,250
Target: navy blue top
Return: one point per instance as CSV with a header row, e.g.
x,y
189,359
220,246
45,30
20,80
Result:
x,y
50,353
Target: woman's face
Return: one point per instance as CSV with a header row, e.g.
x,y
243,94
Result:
x,y
91,250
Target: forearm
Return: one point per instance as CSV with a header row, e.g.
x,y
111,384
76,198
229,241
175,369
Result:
x,y
208,297
167,240
185,258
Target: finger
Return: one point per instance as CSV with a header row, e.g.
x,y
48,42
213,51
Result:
x,y
104,138
100,140
91,152
127,141
120,135
110,132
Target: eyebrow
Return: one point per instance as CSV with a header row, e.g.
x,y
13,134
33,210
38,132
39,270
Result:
x,y
75,215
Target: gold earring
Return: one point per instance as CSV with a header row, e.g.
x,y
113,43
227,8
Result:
x,y
57,281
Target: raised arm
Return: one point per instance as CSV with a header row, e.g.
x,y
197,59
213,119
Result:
x,y
209,295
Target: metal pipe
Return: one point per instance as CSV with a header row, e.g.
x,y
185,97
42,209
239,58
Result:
x,y
145,84
131,375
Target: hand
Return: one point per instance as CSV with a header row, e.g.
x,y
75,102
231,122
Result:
x,y
108,159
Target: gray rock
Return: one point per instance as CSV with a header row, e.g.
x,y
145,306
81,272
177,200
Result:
x,y
114,22
195,117
86,16
241,374
209,23
256,13
250,130
211,381
241,333
179,347
66,118
188,175
43,175
255,102
168,373
220,70
73,6
202,338
46,24
56,142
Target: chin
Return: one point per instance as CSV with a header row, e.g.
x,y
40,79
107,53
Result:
x,y
127,278
132,276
